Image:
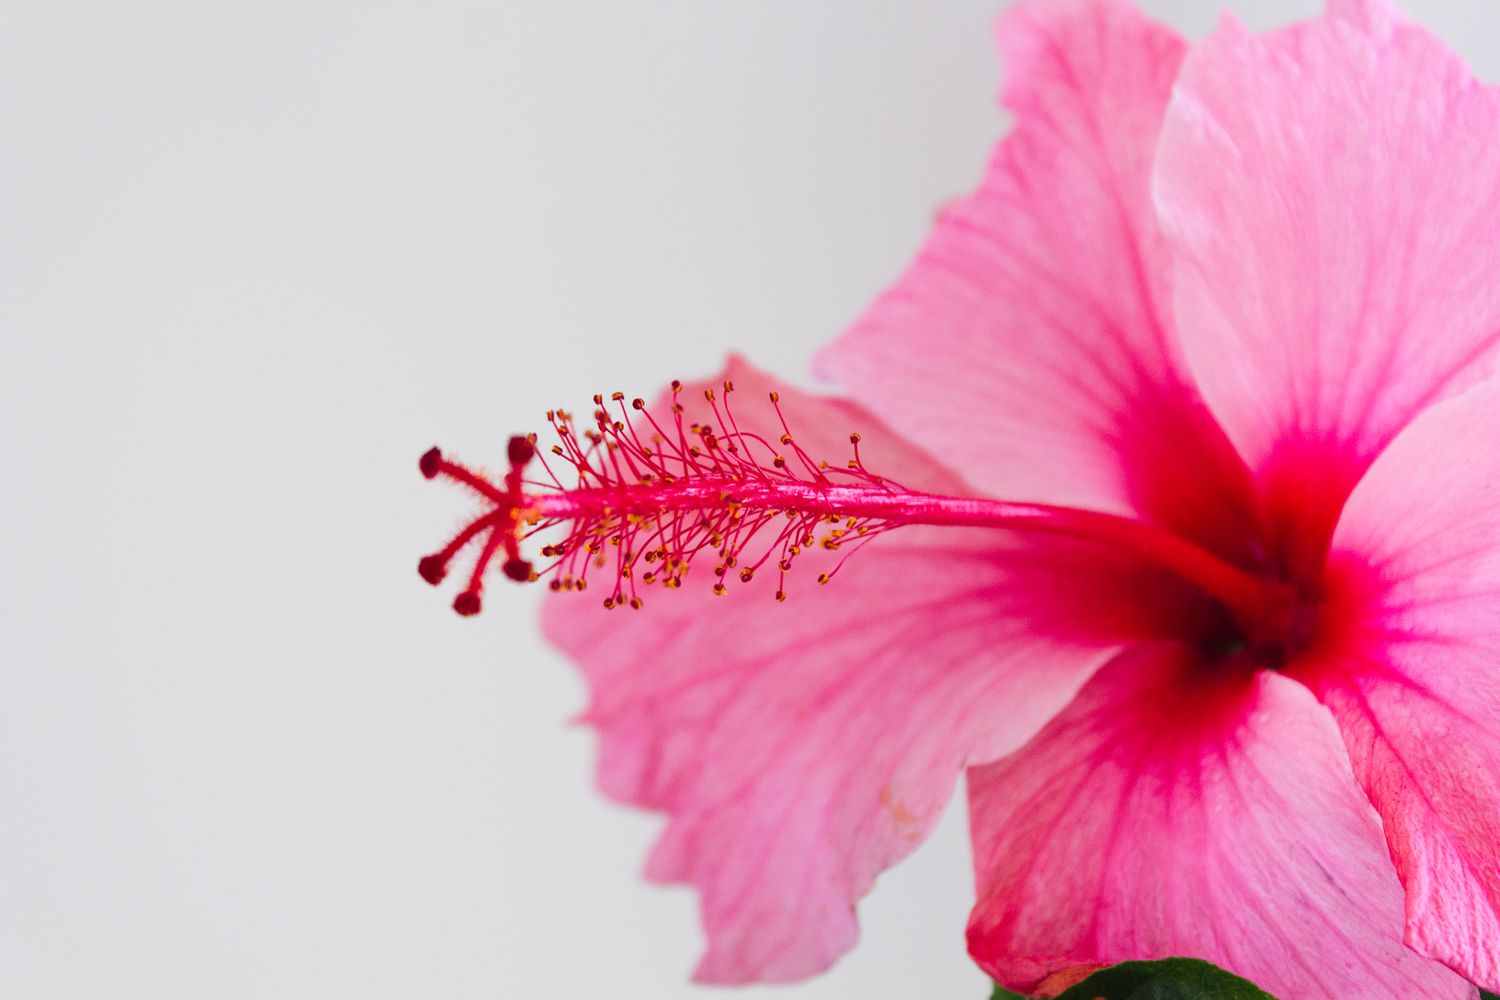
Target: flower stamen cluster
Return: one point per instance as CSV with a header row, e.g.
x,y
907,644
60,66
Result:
x,y
648,498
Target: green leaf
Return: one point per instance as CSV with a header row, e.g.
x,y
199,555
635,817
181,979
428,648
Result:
x,y
1001,993
1170,979
1487,995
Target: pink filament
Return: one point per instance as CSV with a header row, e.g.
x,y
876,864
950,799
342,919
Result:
x,y
666,495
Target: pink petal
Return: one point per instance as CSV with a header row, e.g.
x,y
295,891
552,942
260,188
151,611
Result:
x,y
1331,193
801,748
1182,808
1031,339
1411,670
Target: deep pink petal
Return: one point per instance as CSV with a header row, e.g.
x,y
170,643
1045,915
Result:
x,y
1331,193
801,748
1411,669
1172,810
1030,341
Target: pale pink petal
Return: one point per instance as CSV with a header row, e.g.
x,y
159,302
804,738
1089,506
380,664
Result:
x,y
1331,193
801,748
1411,669
1031,340
1179,808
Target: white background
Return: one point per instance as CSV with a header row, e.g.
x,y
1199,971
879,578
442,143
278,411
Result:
x,y
254,258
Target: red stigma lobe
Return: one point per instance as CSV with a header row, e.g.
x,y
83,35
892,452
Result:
x,y
497,524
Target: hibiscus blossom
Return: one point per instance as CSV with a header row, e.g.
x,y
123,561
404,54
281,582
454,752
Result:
x,y
1177,507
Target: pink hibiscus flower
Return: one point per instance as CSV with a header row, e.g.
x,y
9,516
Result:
x,y
1222,668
